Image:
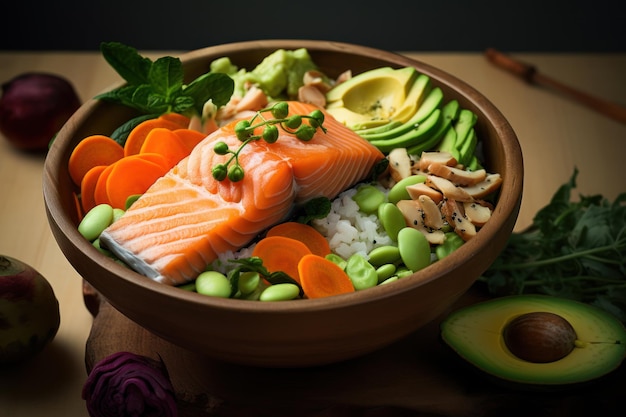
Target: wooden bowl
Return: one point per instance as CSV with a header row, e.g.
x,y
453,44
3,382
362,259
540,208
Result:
x,y
295,333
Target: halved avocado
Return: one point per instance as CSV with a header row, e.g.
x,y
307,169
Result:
x,y
481,334
376,97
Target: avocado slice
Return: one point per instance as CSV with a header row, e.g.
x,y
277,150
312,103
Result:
x,y
375,97
477,334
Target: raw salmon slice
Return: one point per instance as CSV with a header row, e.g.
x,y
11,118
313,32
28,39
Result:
x,y
187,218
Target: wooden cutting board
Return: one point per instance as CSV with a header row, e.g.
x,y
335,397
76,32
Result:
x,y
417,376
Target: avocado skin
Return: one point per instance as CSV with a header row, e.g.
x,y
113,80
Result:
x,y
474,333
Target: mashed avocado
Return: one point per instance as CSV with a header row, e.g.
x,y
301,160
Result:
x,y
279,74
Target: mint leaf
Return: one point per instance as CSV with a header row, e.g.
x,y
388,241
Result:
x,y
212,85
127,62
121,133
166,77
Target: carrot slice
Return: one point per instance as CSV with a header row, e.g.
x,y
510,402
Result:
x,y
165,142
88,187
280,253
157,158
100,192
189,137
315,241
179,119
130,176
138,134
321,277
92,151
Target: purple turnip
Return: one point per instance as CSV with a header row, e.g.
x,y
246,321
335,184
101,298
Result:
x,y
33,107
29,311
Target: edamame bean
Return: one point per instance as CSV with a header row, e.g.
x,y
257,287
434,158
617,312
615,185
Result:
x,y
96,244
385,271
389,280
248,282
384,255
414,248
214,284
280,292
361,272
117,213
398,191
336,259
392,219
451,243
403,272
368,198
95,221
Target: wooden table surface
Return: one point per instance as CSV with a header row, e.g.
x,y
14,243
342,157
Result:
x,y
555,133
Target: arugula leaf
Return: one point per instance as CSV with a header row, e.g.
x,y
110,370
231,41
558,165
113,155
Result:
x,y
573,249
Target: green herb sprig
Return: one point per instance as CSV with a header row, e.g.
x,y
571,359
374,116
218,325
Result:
x,y
157,87
244,129
573,249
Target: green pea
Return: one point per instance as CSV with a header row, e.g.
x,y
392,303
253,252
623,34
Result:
x,y
270,133
214,284
248,282
235,173
398,191
368,198
384,255
280,292
334,258
451,243
305,133
95,221
280,110
414,248
385,272
392,219
221,148
362,273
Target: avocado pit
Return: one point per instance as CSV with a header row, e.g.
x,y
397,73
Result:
x,y
540,337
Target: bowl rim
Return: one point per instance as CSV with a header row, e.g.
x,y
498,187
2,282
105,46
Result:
x,y
503,210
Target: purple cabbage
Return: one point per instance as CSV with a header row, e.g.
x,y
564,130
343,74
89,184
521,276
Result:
x,y
125,384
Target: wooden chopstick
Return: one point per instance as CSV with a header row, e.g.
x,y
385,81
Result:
x,y
531,75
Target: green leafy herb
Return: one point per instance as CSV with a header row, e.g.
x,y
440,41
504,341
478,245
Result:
x,y
255,264
157,87
573,249
315,208
244,129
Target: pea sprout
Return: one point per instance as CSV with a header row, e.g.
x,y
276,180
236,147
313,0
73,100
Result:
x,y
245,131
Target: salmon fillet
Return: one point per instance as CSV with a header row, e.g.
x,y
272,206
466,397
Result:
x,y
187,218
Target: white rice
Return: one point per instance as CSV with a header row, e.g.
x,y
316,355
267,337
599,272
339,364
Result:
x,y
349,230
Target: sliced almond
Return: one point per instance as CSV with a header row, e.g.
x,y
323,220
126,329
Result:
x,y
455,217
316,79
476,213
432,215
254,99
440,157
414,217
448,189
487,186
312,95
457,176
399,164
419,189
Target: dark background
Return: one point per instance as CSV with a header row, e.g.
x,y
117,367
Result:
x,y
399,25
